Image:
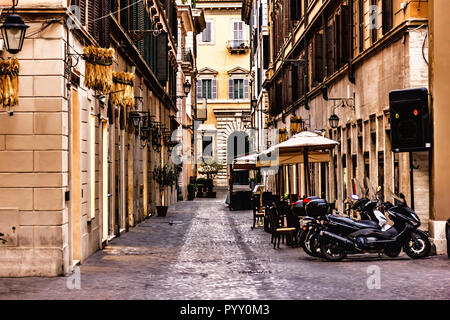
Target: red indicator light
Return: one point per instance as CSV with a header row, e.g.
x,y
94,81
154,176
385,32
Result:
x,y
416,112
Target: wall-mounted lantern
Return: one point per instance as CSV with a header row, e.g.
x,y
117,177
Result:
x,y
13,31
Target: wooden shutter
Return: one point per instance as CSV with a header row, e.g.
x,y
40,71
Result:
x,y
162,53
206,34
124,14
337,44
245,88
82,5
104,25
318,58
199,89
361,24
214,88
388,15
231,89
266,51
330,48
345,35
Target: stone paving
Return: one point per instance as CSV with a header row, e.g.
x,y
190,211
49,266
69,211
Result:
x,y
201,250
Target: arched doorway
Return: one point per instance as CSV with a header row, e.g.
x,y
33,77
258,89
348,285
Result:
x,y
238,145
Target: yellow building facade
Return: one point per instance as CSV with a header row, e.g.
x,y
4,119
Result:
x,y
223,80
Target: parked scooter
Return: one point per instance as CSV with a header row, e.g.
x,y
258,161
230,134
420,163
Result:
x,y
317,213
341,236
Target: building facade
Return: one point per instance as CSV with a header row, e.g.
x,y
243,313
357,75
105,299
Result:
x,y
342,58
255,14
223,84
75,168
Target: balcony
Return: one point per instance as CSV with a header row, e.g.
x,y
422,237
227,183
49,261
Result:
x,y
238,46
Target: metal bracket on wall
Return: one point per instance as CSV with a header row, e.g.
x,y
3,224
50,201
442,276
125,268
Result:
x,y
137,35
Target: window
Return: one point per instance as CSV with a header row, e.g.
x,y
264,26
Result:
x,y
238,89
361,24
207,147
207,33
237,32
387,7
207,88
374,22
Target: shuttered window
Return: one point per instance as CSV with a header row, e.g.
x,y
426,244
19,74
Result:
x,y
207,88
266,51
237,33
361,24
99,28
388,16
161,57
82,5
318,58
331,47
238,89
295,10
374,24
207,33
345,35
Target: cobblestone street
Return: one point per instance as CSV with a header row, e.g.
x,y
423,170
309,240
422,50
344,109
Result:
x,y
201,250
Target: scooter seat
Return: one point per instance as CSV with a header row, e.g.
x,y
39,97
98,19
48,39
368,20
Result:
x,y
360,224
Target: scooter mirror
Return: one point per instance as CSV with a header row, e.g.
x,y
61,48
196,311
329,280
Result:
x,y
355,197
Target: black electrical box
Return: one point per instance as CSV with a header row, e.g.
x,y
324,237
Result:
x,y
410,122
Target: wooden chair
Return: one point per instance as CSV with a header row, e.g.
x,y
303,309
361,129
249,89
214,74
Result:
x,y
277,227
258,216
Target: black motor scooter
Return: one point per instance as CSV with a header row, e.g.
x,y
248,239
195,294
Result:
x,y
317,210
337,239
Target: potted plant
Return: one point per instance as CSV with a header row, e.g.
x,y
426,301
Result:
x,y
191,191
201,182
164,176
210,169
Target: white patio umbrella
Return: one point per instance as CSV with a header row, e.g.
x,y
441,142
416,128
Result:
x,y
313,147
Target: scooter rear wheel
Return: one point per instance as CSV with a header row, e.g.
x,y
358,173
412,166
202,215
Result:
x,y
332,251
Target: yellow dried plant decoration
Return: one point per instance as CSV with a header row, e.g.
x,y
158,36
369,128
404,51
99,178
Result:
x,y
123,89
98,74
9,82
282,135
296,125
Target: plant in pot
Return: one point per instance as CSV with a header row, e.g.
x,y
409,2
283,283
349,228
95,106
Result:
x,y
210,169
191,191
201,182
165,177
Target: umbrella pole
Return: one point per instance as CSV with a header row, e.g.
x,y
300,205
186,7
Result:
x,y
306,169
297,174
290,186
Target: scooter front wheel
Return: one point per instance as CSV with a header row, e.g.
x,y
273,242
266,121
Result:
x,y
417,245
332,251
310,245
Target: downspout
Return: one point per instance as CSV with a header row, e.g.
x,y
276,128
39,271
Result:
x,y
351,75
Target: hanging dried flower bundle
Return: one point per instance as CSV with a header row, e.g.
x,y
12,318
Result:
x,y
123,89
9,82
296,125
282,135
98,75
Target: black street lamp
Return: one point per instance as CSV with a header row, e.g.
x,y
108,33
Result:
x,y
187,87
13,31
334,121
